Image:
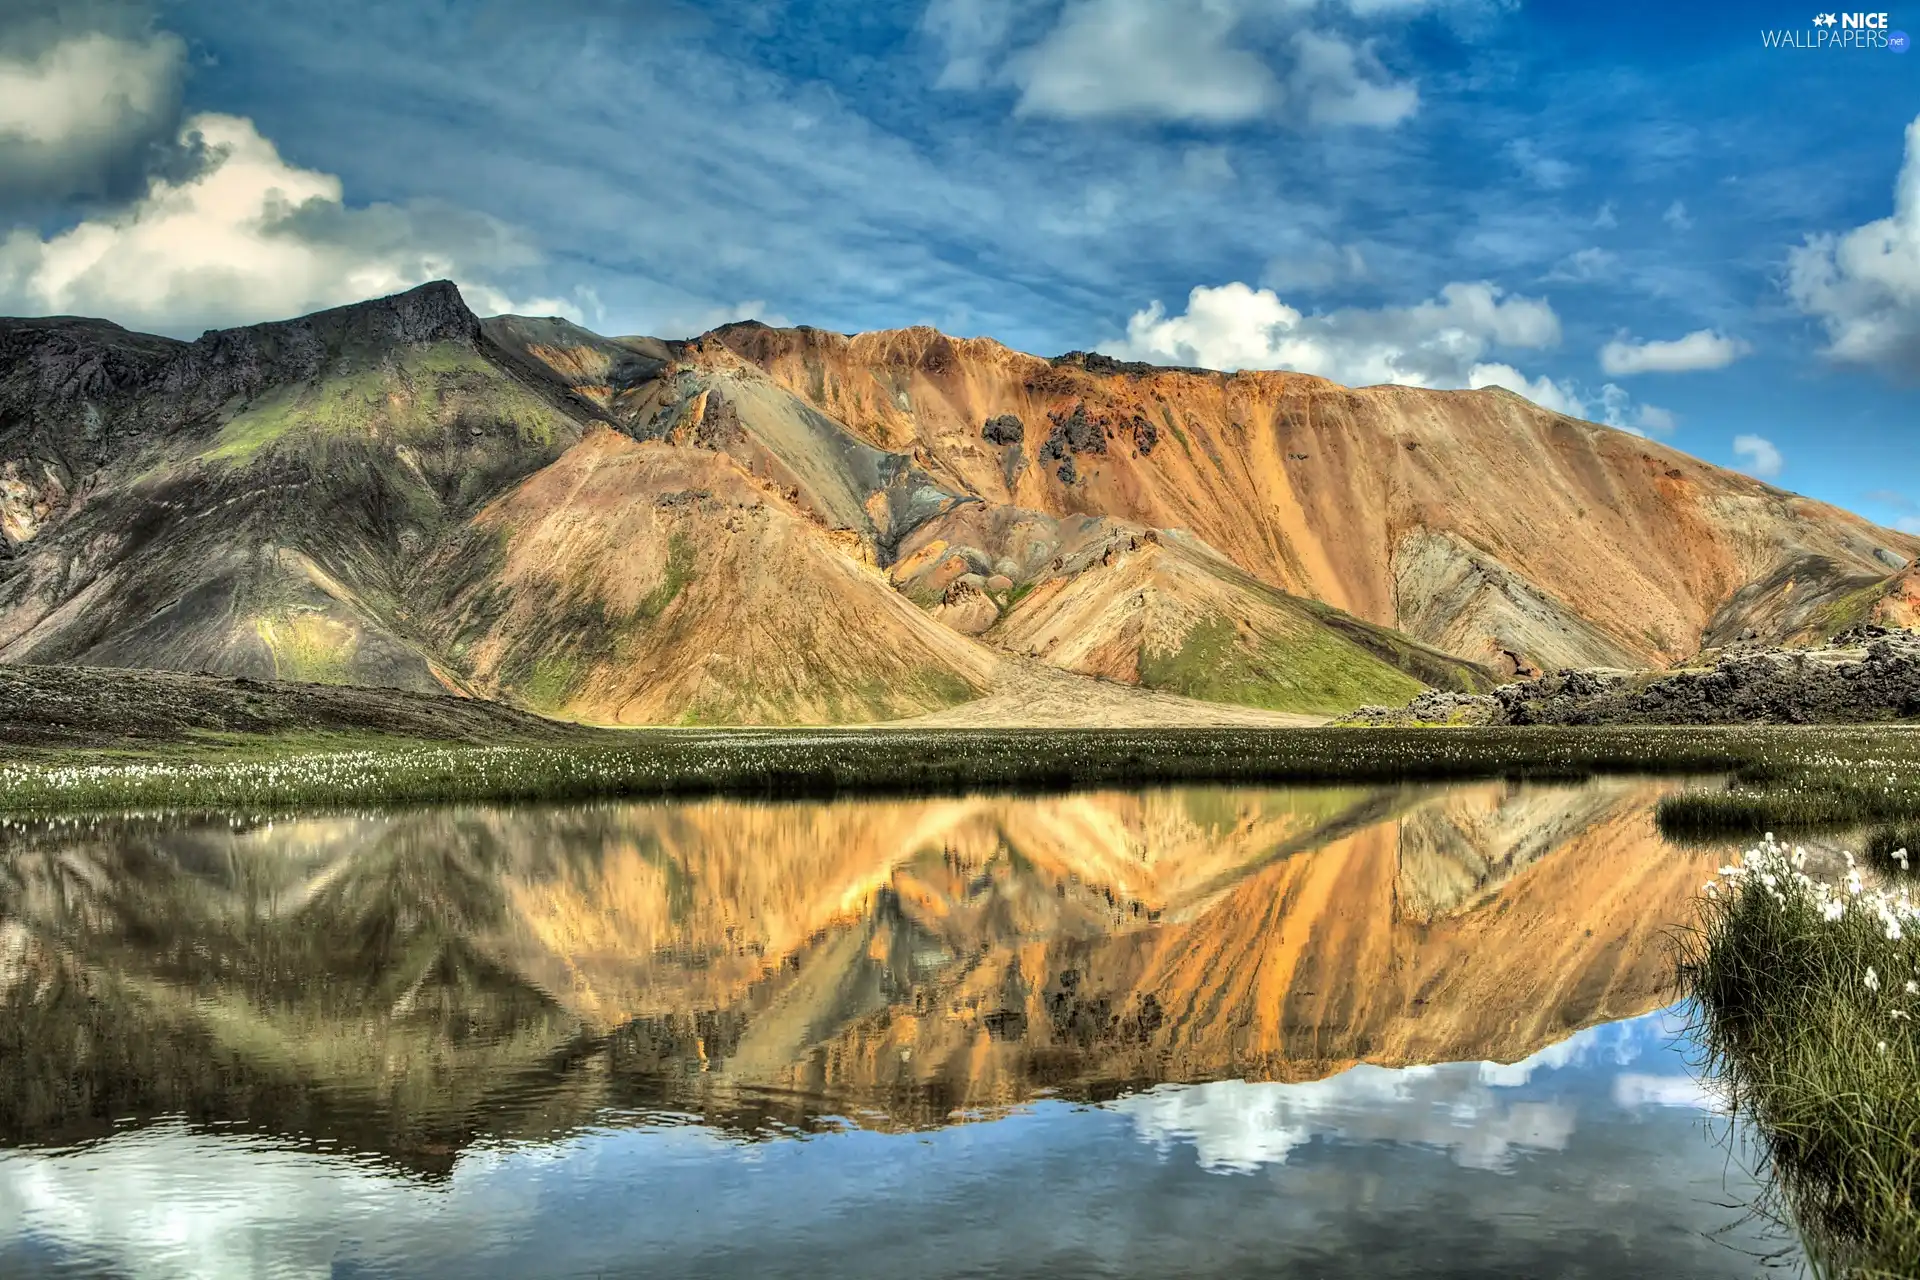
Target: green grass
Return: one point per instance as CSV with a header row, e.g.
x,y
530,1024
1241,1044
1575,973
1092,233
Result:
x,y
552,681
1849,610
1820,1061
318,771
1312,670
1831,779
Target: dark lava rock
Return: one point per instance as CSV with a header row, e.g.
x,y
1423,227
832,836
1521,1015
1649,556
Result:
x,y
1066,471
1005,429
1864,675
1073,433
1145,435
1094,362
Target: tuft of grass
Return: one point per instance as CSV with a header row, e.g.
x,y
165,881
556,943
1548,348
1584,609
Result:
x,y
552,681
1807,1020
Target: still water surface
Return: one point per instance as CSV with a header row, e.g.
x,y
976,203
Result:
x,y
1203,1031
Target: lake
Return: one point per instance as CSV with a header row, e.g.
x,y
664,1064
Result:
x,y
1362,1031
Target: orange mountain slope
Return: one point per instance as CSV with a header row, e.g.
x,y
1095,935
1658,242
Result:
x,y
1472,520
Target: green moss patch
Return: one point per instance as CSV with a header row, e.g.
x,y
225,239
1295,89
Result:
x,y
1311,670
308,646
421,394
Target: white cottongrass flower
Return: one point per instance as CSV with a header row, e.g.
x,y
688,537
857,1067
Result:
x,y
1873,979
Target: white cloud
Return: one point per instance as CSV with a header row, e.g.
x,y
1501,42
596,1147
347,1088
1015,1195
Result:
x,y
73,114
1633,1091
972,31
1207,166
1649,417
1701,349
1307,261
1343,83
1435,343
1194,61
1758,456
1677,216
1156,59
1545,171
1543,391
1443,343
1864,285
704,319
1606,218
250,237
1238,1127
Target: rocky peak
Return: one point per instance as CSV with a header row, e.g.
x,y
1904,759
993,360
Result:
x,y
224,363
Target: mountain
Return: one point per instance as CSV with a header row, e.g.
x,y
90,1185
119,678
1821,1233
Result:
x,y
792,526
1474,520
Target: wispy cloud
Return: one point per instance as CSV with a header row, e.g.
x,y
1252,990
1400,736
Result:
x,y
1209,62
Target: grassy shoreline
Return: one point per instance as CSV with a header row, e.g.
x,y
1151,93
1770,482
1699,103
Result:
x,y
1778,774
1806,996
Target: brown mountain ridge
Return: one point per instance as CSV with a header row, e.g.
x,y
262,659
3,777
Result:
x,y
793,526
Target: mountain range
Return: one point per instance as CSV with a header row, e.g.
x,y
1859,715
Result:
x,y
764,525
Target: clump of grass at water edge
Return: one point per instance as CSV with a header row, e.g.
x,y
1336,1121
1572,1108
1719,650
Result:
x,y
1806,992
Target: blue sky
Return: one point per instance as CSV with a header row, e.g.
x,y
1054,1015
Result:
x,y
1635,212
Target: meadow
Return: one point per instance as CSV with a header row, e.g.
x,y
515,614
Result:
x,y
1764,778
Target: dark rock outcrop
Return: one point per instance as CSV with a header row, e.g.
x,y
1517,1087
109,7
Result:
x,y
1073,433
1866,674
1004,429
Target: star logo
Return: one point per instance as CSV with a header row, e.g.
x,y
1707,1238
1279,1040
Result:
x,y
1824,20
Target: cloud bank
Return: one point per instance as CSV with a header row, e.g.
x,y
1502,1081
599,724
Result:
x,y
1864,285
1435,343
250,237
85,113
1445,342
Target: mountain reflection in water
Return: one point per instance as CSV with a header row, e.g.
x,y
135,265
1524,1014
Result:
x,y
637,1003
